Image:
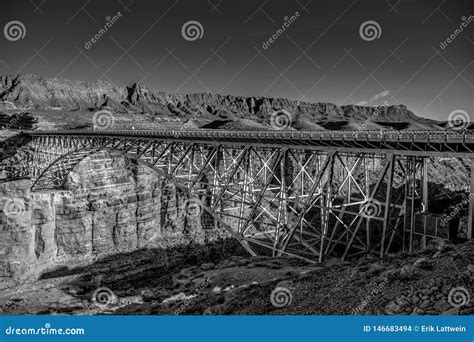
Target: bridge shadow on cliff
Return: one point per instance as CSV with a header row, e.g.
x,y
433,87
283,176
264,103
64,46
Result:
x,y
129,274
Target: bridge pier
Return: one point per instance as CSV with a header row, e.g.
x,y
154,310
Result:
x,y
424,203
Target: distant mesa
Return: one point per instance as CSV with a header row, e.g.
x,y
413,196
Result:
x,y
217,111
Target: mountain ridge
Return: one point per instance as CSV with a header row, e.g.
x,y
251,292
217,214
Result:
x,y
46,92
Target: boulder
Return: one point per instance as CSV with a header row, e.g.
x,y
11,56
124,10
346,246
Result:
x,y
390,274
401,301
375,269
423,263
208,266
426,292
179,279
188,272
200,280
408,272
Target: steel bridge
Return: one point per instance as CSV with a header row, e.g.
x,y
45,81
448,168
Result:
x,y
307,194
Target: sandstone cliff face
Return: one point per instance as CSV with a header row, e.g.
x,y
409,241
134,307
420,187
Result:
x,y
16,233
110,205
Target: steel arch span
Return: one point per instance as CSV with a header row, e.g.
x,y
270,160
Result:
x,y
275,199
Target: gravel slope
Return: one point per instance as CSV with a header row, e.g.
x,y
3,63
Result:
x,y
209,281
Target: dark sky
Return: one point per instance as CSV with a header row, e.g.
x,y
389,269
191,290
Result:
x,y
320,57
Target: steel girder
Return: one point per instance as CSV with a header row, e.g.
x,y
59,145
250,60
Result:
x,y
277,201
447,144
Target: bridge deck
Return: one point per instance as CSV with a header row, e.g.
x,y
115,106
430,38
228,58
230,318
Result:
x,y
423,143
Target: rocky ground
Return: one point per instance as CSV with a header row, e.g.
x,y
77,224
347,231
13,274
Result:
x,y
222,280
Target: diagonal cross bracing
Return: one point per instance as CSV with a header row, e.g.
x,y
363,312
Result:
x,y
304,194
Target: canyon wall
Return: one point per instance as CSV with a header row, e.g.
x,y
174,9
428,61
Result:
x,y
16,234
109,205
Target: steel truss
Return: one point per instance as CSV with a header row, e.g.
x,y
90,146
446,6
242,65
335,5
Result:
x,y
275,200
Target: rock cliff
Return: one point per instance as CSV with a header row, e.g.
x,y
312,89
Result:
x,y
110,205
